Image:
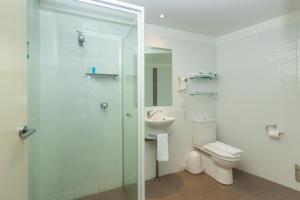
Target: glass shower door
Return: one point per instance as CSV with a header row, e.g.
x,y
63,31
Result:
x,y
130,115
82,93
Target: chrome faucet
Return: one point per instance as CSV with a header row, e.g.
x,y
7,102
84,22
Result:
x,y
150,114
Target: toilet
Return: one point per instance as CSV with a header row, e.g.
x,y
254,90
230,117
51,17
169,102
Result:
x,y
218,158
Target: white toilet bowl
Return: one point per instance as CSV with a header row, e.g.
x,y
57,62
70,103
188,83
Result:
x,y
218,163
218,158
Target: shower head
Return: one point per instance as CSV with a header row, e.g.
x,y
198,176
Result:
x,y
81,39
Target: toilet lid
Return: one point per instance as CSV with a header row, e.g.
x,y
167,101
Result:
x,y
227,148
221,151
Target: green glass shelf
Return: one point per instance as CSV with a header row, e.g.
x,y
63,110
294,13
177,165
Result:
x,y
204,76
204,94
115,76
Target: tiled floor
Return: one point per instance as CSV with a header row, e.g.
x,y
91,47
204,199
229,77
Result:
x,y
185,186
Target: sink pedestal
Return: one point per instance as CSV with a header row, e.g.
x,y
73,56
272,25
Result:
x,y
157,126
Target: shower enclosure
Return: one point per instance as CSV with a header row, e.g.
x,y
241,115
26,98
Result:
x,y
85,97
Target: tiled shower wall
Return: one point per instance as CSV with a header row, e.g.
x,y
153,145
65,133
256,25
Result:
x,y
79,145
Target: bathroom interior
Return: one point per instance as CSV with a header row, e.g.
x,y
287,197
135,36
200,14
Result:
x,y
150,100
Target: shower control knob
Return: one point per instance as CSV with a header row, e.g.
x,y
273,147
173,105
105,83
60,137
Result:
x,y
104,106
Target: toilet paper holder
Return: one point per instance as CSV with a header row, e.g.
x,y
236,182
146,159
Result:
x,y
268,127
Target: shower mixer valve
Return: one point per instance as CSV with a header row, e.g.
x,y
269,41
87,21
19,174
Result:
x,y
104,106
81,39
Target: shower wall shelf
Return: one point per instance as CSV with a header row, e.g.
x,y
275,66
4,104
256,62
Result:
x,y
204,94
115,76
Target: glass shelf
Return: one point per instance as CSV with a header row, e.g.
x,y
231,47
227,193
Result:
x,y
115,76
152,137
204,94
211,76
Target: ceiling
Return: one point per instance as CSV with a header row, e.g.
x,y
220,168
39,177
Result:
x,y
213,17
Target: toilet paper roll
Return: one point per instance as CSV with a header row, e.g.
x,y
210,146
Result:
x,y
273,133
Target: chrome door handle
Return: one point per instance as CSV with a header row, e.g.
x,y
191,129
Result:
x,y
25,132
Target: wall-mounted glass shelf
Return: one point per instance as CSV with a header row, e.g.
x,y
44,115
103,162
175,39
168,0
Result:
x,y
153,136
203,77
209,76
149,137
115,76
203,93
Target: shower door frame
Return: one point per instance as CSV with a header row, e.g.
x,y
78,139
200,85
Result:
x,y
139,12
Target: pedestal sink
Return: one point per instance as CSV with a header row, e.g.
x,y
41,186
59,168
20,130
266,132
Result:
x,y
160,123
157,122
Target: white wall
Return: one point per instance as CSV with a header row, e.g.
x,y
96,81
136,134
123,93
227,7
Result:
x,y
191,53
13,161
258,85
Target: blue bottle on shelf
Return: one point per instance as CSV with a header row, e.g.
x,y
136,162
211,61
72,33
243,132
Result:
x,y
92,70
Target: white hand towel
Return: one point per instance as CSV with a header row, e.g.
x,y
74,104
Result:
x,y
162,147
182,83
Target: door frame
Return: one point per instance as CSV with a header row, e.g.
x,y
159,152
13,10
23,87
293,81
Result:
x,y
140,13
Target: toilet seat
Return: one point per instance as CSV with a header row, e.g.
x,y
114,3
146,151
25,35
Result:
x,y
227,148
223,151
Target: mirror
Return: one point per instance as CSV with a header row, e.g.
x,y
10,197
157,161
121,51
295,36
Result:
x,y
158,77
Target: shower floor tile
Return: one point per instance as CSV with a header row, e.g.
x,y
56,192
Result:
x,y
116,194
186,186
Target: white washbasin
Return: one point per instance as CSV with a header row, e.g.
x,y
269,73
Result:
x,y
160,123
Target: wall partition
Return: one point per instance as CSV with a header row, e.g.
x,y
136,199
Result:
x,y
84,100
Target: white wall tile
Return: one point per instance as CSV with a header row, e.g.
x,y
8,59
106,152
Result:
x,y
80,145
258,86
